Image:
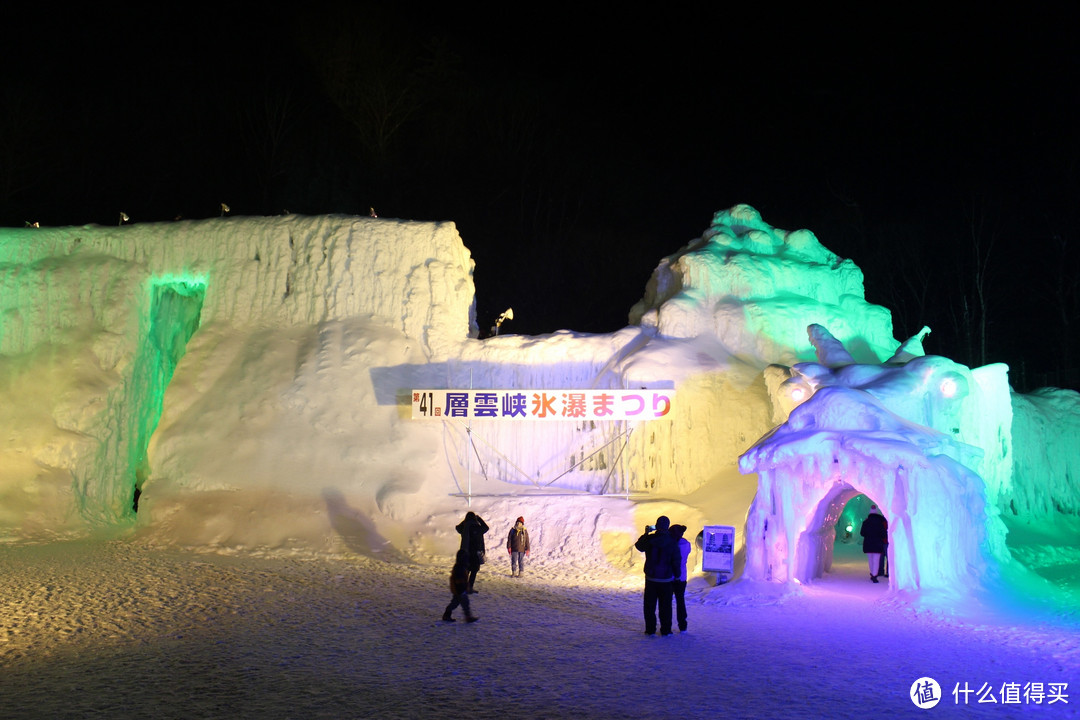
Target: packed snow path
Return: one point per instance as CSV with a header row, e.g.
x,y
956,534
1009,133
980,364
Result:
x,y
120,630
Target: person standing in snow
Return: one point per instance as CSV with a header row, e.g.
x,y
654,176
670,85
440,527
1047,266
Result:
x,y
517,544
472,530
875,533
459,589
679,585
662,560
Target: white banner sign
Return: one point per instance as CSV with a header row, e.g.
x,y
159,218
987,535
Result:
x,y
548,405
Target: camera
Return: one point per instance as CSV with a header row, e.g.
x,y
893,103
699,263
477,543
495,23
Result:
x,y
650,528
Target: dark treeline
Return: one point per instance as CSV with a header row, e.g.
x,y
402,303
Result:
x,y
573,159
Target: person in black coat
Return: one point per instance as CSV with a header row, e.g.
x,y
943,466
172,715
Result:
x,y
662,560
875,533
459,589
472,530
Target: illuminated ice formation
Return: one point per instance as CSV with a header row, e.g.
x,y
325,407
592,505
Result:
x,y
252,377
1046,448
756,288
103,330
892,433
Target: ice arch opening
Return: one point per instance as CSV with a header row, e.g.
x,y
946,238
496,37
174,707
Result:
x,y
843,442
852,514
847,548
825,521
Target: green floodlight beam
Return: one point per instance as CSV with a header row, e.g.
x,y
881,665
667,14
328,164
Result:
x,y
175,311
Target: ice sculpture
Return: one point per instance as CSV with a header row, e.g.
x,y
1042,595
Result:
x,y
890,432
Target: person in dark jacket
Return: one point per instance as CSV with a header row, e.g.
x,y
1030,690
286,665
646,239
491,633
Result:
x,y
472,530
662,560
517,544
679,586
875,533
459,589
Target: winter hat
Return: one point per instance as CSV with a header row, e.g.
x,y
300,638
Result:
x,y
662,522
677,531
521,520
874,510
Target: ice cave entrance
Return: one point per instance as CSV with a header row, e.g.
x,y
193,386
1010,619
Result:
x,y
842,515
843,443
175,308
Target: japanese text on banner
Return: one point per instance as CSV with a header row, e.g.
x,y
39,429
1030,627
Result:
x,y
551,405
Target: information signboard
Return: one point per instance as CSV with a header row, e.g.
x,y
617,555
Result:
x,y
718,551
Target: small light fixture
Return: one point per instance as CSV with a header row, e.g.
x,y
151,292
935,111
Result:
x,y
508,315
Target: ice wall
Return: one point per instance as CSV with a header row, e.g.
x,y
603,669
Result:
x,y
95,321
278,271
251,376
287,392
1046,443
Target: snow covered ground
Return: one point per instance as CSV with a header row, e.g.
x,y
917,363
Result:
x,y
122,629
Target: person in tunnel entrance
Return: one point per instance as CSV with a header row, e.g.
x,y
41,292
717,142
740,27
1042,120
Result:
x,y
875,534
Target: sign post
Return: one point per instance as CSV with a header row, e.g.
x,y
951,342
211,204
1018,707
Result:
x,y
718,551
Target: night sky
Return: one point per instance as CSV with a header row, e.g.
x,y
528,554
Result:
x,y
574,151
